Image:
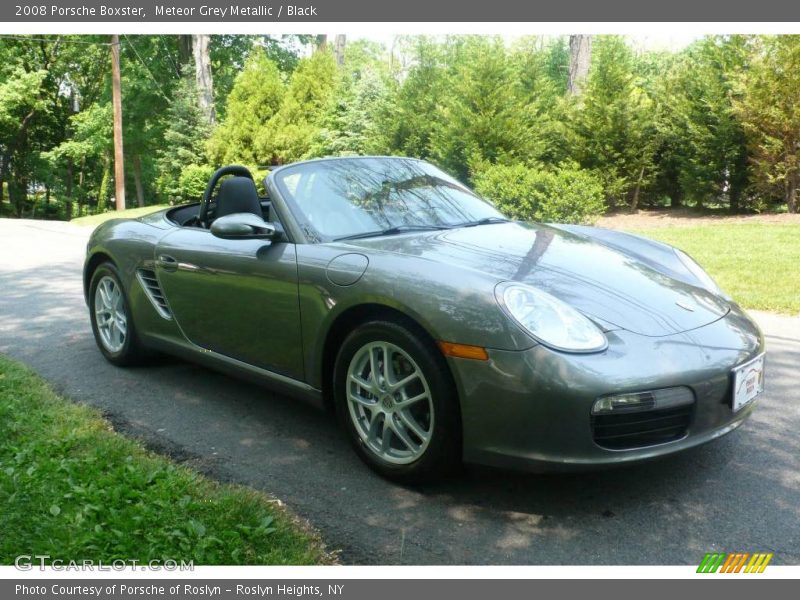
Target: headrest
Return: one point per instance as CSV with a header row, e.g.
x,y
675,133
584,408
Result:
x,y
238,195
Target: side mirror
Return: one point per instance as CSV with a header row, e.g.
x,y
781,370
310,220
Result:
x,y
243,226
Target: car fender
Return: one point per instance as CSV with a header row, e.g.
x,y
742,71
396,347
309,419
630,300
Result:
x,y
450,304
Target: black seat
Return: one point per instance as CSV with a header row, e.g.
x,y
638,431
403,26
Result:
x,y
238,195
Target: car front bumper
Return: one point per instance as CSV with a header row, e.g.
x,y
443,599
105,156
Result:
x,y
532,409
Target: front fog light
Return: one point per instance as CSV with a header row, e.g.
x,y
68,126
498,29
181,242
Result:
x,y
641,401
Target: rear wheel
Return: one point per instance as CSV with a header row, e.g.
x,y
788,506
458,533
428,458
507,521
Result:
x,y
112,322
397,403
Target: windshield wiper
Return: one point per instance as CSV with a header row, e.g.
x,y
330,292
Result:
x,y
484,221
391,231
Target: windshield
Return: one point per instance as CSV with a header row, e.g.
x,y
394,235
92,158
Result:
x,y
351,197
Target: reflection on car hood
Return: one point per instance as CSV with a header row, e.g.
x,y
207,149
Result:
x,y
615,287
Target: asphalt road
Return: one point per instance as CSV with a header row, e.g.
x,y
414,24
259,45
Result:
x,y
740,493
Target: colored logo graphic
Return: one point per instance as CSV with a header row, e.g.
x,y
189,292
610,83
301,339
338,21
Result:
x,y
734,562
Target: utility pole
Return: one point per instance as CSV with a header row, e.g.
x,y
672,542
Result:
x,y
116,94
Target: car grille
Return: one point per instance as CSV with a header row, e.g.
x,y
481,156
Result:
x,y
153,290
625,431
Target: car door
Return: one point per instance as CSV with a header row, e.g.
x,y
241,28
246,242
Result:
x,y
235,297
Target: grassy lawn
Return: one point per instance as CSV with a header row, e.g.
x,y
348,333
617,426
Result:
x,y
756,263
95,220
72,488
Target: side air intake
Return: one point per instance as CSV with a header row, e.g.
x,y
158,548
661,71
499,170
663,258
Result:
x,y
150,284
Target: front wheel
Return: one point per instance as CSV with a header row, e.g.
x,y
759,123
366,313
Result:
x,y
397,403
112,322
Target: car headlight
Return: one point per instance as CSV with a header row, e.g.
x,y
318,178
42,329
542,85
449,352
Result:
x,y
704,278
551,321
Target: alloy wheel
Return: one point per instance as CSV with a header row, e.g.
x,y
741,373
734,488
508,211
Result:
x,y
390,402
109,314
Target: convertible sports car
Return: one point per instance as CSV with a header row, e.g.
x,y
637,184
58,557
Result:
x,y
439,331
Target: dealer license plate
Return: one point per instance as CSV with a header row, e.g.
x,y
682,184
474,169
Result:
x,y
748,382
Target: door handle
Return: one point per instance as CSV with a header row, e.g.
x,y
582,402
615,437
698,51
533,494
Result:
x,y
167,262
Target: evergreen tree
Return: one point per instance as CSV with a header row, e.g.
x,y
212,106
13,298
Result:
x,y
186,130
770,111
352,124
615,123
484,115
254,100
289,135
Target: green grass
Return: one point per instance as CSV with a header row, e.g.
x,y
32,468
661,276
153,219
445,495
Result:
x,y
72,488
95,220
756,263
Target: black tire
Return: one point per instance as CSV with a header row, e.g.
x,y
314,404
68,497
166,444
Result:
x,y
442,457
132,351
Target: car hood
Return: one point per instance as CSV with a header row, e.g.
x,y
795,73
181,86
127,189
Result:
x,y
616,288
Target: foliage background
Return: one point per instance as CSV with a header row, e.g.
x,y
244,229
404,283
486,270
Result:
x,y
712,126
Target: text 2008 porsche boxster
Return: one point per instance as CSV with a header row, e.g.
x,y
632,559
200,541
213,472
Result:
x,y
439,330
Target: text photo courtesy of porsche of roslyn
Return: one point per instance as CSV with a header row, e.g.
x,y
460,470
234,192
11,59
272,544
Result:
x,y
286,296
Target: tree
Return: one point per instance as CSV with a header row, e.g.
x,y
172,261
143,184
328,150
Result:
x,y
256,96
20,99
703,143
186,130
289,135
90,146
615,124
484,116
770,112
542,70
34,74
352,124
145,102
410,118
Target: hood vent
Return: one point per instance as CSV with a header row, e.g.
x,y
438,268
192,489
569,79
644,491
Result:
x,y
150,284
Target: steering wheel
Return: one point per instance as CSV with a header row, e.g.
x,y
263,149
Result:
x,y
237,170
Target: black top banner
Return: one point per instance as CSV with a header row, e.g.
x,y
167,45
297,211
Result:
x,y
182,11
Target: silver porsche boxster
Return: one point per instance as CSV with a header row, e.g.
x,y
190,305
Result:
x,y
439,331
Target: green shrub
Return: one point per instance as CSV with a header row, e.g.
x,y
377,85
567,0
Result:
x,y
565,195
192,182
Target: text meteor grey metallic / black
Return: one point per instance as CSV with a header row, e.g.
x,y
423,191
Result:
x,y
438,330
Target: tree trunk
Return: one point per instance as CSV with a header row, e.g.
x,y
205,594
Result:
x,y
69,189
105,184
791,192
137,179
81,189
203,77
734,195
676,199
18,192
184,50
580,59
3,172
338,48
321,42
635,198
